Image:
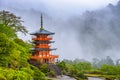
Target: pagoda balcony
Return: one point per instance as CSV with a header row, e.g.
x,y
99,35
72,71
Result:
x,y
54,56
42,39
41,49
42,46
50,56
44,57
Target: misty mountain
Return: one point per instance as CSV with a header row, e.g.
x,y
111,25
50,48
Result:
x,y
99,31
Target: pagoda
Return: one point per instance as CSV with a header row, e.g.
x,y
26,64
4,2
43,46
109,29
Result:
x,y
42,51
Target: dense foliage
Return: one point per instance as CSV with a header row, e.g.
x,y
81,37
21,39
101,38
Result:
x,y
14,54
74,68
8,31
80,69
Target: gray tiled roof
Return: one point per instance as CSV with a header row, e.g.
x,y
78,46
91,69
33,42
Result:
x,y
43,31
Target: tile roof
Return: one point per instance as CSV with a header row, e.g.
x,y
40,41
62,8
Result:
x,y
43,31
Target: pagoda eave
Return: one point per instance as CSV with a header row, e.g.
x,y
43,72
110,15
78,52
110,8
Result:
x,y
39,49
41,34
37,42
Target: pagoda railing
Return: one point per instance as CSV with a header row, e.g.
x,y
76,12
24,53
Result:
x,y
41,38
46,46
40,57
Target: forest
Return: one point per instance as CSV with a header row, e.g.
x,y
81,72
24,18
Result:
x,y
15,54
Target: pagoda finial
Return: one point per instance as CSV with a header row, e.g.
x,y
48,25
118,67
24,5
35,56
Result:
x,y
41,22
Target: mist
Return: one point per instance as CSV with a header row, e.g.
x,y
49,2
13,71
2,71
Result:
x,y
99,31
81,31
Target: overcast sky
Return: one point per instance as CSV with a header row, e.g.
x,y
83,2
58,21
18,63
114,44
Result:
x,y
57,7
56,14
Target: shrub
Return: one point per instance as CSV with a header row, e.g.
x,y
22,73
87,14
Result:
x,y
51,74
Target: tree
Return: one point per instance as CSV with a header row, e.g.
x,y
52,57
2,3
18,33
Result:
x,y
38,75
8,31
12,54
109,69
82,66
44,68
11,20
62,65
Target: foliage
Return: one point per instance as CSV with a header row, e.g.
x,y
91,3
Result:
x,y
110,69
62,65
13,55
75,68
82,66
6,48
51,74
10,74
2,77
14,52
8,31
80,75
44,68
73,72
38,75
22,43
95,71
13,21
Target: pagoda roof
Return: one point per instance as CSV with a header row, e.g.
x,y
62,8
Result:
x,y
42,31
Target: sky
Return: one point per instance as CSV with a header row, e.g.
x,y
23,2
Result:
x,y
67,19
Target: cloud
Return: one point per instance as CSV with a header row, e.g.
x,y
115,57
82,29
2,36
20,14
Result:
x,y
98,31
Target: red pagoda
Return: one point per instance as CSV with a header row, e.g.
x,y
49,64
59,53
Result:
x,y
42,50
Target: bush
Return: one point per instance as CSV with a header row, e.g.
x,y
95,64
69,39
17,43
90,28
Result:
x,y
2,77
51,74
38,75
62,65
80,74
95,72
44,68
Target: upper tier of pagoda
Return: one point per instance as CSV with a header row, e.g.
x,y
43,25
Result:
x,y
42,31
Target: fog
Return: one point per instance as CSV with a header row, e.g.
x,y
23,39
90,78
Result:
x,y
83,29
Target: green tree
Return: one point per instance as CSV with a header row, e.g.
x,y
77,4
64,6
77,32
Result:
x,y
82,66
62,65
38,75
6,47
44,68
51,74
13,21
12,54
8,31
110,69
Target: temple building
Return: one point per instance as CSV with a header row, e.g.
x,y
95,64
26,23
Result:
x,y
42,49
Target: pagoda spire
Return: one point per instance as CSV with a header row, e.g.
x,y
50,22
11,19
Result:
x,y
41,28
